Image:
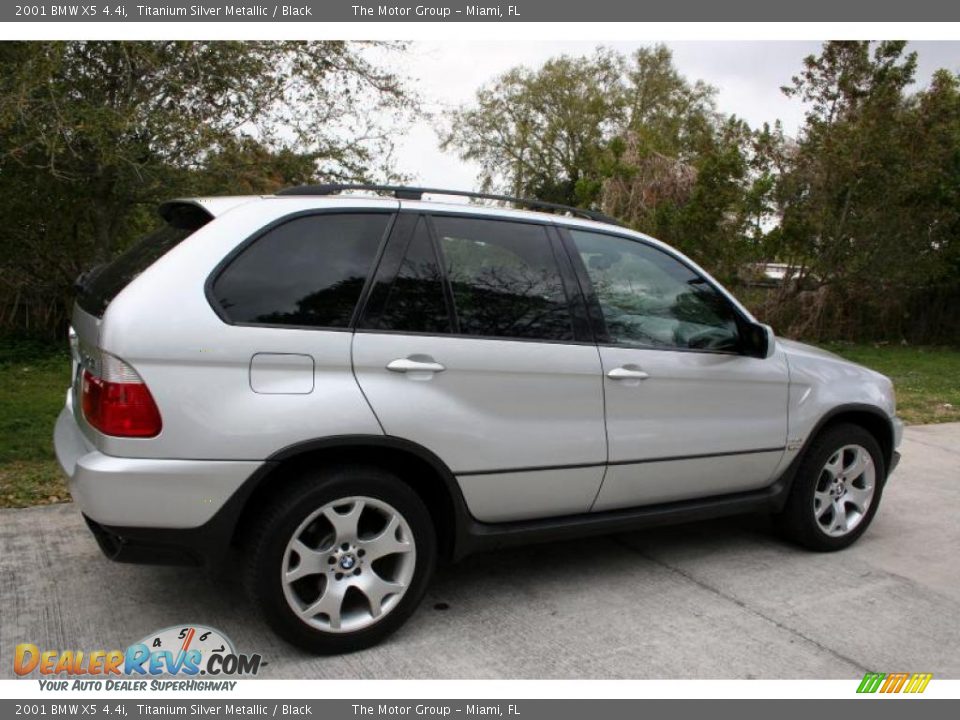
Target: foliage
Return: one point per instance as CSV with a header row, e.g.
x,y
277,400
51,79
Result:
x,y
94,134
863,204
553,132
539,133
870,199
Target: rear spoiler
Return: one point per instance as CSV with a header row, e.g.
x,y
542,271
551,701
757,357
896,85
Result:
x,y
194,213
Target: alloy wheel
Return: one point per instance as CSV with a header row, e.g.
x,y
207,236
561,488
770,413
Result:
x,y
844,490
348,564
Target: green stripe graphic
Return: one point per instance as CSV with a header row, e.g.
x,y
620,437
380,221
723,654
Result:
x,y
871,682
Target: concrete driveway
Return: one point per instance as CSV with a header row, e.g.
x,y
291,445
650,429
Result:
x,y
723,599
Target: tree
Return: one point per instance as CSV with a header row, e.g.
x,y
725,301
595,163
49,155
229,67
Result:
x,y
94,134
668,113
541,132
554,132
713,205
869,196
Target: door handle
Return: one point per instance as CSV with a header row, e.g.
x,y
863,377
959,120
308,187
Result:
x,y
413,365
628,372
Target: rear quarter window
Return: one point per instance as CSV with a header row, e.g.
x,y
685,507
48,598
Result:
x,y
307,272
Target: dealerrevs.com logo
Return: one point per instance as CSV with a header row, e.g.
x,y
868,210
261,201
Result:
x,y
184,651
888,683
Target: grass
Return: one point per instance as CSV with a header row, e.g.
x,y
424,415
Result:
x,y
33,383
34,379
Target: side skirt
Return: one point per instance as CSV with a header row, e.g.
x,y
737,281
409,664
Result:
x,y
480,537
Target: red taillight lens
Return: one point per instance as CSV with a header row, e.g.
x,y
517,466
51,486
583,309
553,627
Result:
x,y
123,409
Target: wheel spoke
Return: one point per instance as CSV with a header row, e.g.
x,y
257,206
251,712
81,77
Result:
x,y
311,562
345,524
377,589
822,503
330,604
834,465
839,523
861,461
385,543
859,497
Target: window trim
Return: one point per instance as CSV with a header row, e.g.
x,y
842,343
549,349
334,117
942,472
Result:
x,y
582,332
242,246
582,328
499,338
445,284
596,312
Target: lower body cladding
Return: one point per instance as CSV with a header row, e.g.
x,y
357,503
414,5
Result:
x,y
528,494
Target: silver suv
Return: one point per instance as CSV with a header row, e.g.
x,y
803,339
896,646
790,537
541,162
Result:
x,y
350,389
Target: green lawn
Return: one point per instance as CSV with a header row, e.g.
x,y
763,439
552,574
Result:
x,y
33,381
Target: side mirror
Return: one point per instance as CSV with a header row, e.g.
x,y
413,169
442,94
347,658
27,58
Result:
x,y
759,341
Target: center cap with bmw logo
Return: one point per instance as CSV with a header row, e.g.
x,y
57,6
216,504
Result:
x,y
347,562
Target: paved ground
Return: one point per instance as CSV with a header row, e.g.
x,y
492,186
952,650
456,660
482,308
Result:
x,y
713,600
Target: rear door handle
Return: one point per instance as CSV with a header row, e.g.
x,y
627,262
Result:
x,y
628,372
415,365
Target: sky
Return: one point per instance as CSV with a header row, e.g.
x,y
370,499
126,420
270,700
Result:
x,y
747,74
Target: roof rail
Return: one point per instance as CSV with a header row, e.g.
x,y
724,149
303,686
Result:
x,y
402,192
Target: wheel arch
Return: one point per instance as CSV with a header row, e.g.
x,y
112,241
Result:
x,y
417,466
871,418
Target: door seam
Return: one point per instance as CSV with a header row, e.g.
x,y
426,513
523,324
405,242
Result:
x,y
353,371
606,430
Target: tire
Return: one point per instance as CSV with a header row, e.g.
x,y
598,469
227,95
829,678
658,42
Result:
x,y
819,508
330,574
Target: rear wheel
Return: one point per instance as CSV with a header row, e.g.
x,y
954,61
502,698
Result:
x,y
341,559
837,489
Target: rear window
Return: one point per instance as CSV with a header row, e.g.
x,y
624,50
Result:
x,y
102,284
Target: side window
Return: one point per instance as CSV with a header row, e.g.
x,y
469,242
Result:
x,y
308,271
649,298
504,279
415,300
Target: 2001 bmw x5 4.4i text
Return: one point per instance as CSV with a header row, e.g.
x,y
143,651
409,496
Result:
x,y
351,388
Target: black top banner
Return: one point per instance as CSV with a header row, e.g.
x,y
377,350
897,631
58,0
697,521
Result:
x,y
517,11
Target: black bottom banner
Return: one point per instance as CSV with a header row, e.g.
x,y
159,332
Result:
x,y
598,709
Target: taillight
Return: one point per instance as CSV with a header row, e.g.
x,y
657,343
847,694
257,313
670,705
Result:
x,y
117,402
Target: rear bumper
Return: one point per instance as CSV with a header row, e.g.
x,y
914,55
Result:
x,y
175,507
152,546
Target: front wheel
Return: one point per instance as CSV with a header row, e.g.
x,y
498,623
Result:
x,y
341,559
836,491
